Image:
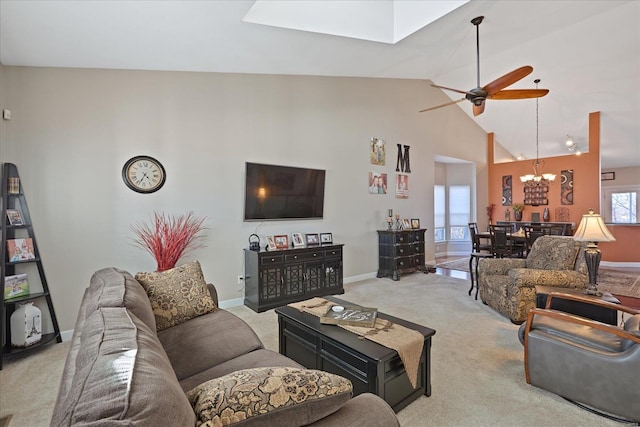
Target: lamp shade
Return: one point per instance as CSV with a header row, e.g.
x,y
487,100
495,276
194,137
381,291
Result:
x,y
592,229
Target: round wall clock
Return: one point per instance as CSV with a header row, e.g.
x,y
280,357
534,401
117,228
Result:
x,y
143,174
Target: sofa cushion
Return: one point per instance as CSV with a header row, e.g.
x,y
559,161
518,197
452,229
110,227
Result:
x,y
261,358
269,396
122,377
111,287
209,340
553,253
177,295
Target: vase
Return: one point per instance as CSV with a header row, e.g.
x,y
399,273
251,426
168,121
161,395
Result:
x,y
26,325
545,215
517,215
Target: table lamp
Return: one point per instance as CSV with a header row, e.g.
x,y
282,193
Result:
x,y
592,230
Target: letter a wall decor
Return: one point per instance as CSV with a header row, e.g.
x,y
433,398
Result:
x,y
566,187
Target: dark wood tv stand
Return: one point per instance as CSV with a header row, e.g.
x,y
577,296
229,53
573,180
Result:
x,y
275,278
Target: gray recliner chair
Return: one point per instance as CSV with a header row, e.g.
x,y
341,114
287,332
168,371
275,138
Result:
x,y
588,362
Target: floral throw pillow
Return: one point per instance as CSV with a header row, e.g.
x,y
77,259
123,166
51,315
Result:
x,y
280,396
177,295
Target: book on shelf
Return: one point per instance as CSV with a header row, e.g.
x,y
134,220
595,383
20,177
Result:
x,y
15,286
350,315
20,249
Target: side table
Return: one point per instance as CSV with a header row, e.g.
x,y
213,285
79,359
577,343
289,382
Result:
x,y
600,314
476,256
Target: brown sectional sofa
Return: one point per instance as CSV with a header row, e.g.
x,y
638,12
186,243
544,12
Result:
x,y
119,371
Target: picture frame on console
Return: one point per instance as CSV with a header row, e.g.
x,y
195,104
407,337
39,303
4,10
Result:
x,y
415,223
326,238
282,241
406,224
297,240
271,244
312,239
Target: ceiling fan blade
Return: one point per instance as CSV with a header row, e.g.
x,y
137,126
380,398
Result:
x,y
443,105
519,94
508,79
451,89
478,109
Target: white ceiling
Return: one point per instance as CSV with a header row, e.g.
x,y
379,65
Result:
x,y
586,52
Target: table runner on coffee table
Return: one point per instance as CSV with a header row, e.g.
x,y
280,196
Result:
x,y
407,342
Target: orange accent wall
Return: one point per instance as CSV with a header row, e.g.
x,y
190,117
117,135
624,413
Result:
x,y
625,248
586,191
586,178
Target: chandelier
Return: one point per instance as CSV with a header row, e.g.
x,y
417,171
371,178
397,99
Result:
x,y
537,179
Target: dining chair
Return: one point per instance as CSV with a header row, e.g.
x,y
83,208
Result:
x,y
500,245
476,245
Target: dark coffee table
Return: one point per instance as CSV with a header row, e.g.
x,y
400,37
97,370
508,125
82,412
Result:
x,y
371,367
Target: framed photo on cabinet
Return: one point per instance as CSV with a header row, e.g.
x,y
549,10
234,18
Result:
x,y
271,243
312,239
282,241
297,240
326,238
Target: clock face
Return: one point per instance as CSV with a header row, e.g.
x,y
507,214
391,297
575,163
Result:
x,y
143,174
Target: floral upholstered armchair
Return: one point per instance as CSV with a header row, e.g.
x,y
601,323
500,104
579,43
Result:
x,y
508,284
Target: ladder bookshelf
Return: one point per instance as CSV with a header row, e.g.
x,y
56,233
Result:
x,y
19,226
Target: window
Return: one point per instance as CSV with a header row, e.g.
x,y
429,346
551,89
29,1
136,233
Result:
x,y
459,212
624,207
439,204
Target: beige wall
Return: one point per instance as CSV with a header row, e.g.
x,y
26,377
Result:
x,y
73,129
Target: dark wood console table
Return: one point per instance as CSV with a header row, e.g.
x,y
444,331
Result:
x,y
275,278
371,367
400,252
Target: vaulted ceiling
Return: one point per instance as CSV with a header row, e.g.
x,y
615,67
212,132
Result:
x,y
586,52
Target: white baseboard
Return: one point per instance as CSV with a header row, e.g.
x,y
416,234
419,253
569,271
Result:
x,y
235,302
620,264
66,335
360,277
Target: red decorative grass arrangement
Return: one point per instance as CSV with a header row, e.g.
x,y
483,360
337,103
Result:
x,y
169,237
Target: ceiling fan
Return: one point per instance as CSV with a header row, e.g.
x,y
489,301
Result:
x,y
493,90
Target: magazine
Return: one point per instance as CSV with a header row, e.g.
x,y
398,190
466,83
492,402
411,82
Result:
x,y
20,249
350,315
15,286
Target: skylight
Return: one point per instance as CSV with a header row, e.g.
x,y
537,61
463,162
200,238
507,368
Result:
x,y
386,21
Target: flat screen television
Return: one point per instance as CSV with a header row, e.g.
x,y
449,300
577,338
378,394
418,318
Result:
x,y
283,192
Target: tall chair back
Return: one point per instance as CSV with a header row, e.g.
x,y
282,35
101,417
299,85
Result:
x,y
476,246
500,245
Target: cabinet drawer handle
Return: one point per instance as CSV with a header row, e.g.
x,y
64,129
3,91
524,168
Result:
x,y
295,257
273,259
315,254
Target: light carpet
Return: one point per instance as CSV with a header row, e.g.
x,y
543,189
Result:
x,y
477,371
618,281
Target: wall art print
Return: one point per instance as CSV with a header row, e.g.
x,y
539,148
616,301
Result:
x,y
506,190
402,186
377,183
566,187
377,151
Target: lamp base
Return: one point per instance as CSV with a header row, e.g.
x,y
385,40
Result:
x,y
594,291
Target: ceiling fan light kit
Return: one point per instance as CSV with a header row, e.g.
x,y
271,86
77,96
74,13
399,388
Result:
x,y
494,89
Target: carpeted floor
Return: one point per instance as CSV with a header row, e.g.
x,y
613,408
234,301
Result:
x,y
477,362
618,281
